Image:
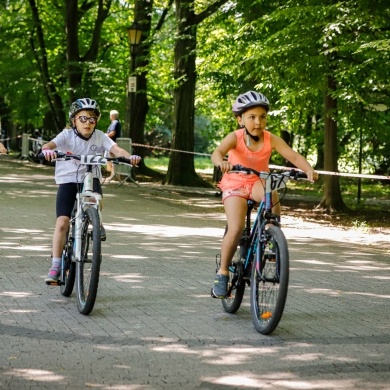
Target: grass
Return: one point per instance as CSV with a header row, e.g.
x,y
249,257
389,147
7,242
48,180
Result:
x,y
202,164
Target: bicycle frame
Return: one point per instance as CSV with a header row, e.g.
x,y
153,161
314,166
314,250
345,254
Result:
x,y
86,198
264,216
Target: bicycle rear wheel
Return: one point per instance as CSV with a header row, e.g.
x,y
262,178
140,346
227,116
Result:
x,y
88,266
269,282
68,271
236,285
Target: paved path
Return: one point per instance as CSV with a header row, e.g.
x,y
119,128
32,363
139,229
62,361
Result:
x,y
154,325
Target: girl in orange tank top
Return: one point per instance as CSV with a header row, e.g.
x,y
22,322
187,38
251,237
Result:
x,y
251,146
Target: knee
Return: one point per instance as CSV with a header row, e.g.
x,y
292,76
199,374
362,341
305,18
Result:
x,y
234,233
62,224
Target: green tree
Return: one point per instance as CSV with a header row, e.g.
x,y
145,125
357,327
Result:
x,y
144,10
181,168
304,51
63,58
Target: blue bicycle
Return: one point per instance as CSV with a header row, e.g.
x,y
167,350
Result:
x,y
262,259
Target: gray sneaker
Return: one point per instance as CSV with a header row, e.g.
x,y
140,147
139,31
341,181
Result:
x,y
53,275
220,286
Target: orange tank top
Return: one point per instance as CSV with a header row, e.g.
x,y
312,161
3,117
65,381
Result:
x,y
242,155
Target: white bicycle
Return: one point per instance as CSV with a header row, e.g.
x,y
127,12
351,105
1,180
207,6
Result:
x,y
82,255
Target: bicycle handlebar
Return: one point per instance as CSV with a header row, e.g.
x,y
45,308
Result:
x,y
292,174
88,159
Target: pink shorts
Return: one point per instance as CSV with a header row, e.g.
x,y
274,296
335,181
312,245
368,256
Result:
x,y
243,192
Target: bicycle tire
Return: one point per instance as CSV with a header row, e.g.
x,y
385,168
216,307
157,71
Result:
x,y
269,284
88,266
68,273
236,284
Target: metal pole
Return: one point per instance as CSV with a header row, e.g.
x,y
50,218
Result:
x,y
132,93
359,192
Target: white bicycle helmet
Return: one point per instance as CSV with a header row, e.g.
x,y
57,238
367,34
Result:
x,y
83,104
249,99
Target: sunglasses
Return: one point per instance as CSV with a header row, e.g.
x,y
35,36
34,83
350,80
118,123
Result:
x,y
91,119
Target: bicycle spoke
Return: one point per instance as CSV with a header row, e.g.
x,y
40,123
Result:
x,y
270,283
68,272
236,285
89,263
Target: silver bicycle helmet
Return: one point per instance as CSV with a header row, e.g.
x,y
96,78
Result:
x,y
83,104
249,99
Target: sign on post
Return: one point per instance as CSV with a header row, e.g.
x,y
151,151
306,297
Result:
x,y
132,84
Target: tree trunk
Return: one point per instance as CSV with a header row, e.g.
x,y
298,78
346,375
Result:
x,y
74,70
181,169
137,105
320,144
332,200
78,77
52,96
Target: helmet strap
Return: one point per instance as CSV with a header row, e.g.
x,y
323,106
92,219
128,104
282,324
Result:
x,y
247,133
78,134
249,136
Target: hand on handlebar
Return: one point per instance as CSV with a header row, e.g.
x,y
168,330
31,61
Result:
x,y
49,154
312,175
225,166
134,159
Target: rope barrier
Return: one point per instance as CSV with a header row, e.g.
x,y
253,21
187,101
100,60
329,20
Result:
x,y
358,175
344,174
170,150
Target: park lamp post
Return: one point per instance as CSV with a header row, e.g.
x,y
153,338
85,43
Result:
x,y
134,32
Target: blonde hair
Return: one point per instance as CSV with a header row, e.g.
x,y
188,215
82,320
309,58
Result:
x,y
115,113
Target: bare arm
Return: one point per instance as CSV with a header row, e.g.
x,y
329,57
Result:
x,y
119,152
217,157
50,145
111,134
2,148
294,157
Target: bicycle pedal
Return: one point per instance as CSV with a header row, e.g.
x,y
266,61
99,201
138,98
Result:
x,y
215,296
54,283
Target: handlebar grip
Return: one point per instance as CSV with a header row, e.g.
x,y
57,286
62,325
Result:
x,y
124,160
295,175
59,154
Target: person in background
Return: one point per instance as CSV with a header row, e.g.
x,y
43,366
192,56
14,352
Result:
x,y
3,150
114,131
251,146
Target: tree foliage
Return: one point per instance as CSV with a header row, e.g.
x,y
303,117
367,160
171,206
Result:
x,y
195,57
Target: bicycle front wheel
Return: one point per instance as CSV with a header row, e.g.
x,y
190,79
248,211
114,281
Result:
x,y
88,266
269,282
68,271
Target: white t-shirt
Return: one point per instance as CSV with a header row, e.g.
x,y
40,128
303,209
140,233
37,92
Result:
x,y
68,142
